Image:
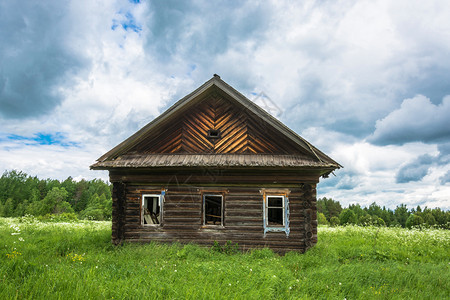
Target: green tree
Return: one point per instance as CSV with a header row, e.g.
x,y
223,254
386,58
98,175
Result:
x,y
71,187
357,209
98,208
334,221
413,220
321,219
379,222
374,210
347,216
401,214
8,208
53,203
329,207
428,218
365,220
388,216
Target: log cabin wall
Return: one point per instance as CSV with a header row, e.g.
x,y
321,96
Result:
x,y
243,216
216,141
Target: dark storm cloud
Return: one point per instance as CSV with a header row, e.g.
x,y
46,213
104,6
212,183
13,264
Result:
x,y
415,170
35,58
433,83
419,168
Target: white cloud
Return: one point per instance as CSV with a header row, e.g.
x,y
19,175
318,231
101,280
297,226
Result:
x,y
417,119
370,172
48,161
338,70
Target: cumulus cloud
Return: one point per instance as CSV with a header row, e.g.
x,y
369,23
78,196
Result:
x,y
415,170
78,77
421,166
446,178
417,119
47,160
36,57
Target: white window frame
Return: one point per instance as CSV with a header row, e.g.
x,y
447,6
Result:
x,y
160,203
285,209
221,210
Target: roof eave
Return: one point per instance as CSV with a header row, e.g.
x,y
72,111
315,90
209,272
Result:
x,y
234,94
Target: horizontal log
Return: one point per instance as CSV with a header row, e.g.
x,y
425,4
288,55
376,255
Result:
x,y
181,205
168,180
243,206
182,213
254,213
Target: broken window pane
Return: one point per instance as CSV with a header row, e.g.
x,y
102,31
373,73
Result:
x,y
151,209
212,210
275,211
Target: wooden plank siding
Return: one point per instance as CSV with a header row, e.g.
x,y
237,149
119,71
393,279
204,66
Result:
x,y
216,141
241,131
243,215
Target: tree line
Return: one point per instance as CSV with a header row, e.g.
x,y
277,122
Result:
x,y
330,212
21,194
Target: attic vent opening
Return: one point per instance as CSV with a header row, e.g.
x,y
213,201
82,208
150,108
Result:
x,y
214,133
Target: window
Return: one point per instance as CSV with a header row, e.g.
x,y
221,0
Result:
x,y
275,210
151,210
212,210
276,213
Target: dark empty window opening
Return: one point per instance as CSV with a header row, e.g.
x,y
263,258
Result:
x,y
151,209
275,210
214,133
212,210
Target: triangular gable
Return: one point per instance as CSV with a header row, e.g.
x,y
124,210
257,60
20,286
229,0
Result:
x,y
243,126
238,131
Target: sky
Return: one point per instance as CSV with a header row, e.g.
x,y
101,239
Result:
x,y
367,82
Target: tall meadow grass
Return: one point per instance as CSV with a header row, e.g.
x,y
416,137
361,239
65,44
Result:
x,y
76,260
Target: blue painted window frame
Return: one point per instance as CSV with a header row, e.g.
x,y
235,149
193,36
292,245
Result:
x,y
284,228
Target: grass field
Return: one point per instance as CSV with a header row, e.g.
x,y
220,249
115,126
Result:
x,y
77,261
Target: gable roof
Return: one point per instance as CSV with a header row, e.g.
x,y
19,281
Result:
x,y
121,156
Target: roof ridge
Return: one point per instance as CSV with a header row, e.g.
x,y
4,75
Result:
x,y
235,96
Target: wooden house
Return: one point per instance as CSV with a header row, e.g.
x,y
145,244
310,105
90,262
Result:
x,y
216,167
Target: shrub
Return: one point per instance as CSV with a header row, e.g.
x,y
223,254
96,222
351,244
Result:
x,y
227,248
334,221
321,219
347,216
365,220
414,220
379,222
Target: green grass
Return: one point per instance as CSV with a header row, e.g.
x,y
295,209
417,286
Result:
x,y
77,261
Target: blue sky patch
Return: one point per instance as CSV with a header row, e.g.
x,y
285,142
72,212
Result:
x,y
129,23
40,138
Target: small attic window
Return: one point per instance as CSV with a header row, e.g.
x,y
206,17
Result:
x,y
214,133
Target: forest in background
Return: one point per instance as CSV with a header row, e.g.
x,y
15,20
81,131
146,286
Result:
x,y
330,212
21,194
